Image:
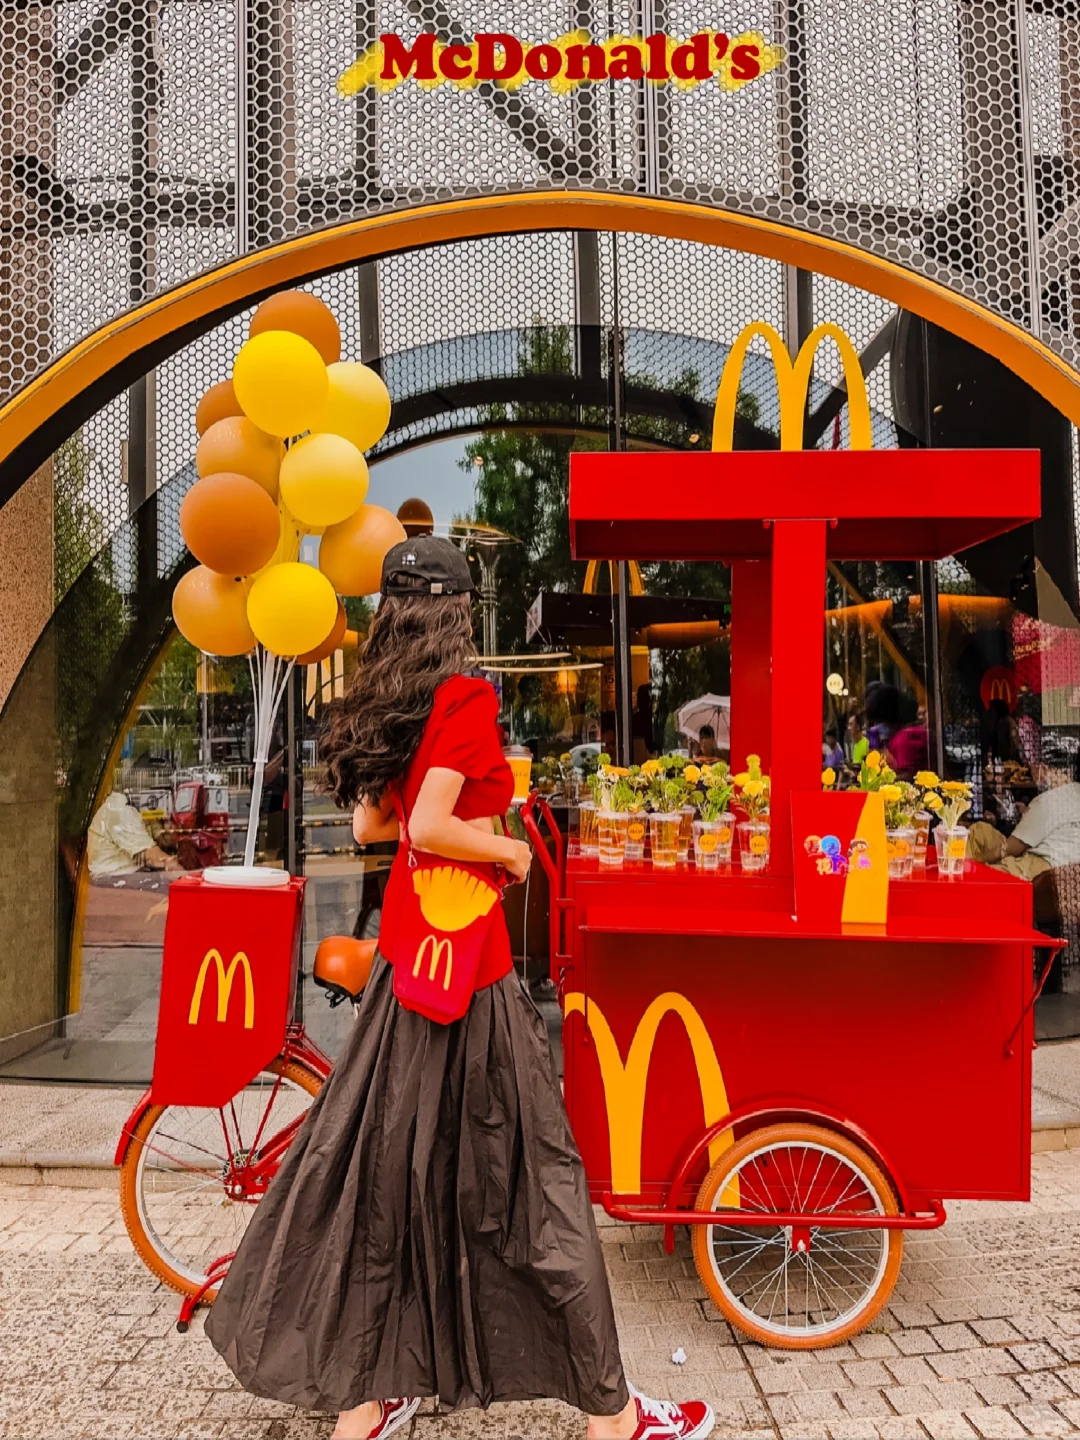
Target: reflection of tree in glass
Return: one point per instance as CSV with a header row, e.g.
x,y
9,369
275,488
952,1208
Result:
x,y
91,626
521,487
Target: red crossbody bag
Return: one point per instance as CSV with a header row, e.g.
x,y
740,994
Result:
x,y
445,917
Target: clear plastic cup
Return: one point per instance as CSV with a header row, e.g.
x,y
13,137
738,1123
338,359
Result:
x,y
664,840
754,844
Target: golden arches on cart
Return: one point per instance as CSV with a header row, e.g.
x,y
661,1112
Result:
x,y
451,898
225,979
625,1083
793,384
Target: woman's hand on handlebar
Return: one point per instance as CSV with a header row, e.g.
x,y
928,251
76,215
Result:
x,y
518,859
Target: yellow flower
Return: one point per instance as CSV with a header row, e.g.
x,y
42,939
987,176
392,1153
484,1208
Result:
x,y
617,770
873,760
934,802
927,780
891,793
651,767
753,761
753,788
955,787
564,758
828,777
742,779
692,773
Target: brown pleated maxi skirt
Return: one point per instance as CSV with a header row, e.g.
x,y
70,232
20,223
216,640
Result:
x,y
429,1232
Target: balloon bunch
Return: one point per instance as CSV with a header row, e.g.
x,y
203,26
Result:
x,y
280,454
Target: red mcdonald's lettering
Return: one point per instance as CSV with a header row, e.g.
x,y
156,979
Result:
x,y
486,56
656,45
400,63
586,62
691,61
543,62
455,62
745,62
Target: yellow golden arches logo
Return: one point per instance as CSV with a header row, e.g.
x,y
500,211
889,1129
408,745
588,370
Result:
x,y
624,1085
793,384
438,949
224,987
451,899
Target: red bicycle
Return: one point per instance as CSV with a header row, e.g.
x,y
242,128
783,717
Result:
x,y
189,1176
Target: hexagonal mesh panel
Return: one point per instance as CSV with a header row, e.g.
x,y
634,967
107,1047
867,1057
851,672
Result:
x,y
937,132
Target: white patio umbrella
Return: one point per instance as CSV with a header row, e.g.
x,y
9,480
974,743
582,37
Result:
x,y
714,710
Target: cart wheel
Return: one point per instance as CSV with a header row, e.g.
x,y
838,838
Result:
x,y
797,1290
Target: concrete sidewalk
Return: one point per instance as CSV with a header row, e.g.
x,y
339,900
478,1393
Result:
x,y
68,1133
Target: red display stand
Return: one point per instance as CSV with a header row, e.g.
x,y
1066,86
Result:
x,y
228,981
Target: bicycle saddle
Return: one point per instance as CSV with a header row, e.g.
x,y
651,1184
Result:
x,y
342,966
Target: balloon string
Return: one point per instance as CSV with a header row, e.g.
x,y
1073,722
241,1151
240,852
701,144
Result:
x,y
269,682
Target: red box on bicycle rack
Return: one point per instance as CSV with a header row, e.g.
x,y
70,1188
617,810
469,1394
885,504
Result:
x,y
228,983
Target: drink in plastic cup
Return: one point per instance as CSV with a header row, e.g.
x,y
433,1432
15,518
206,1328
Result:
x,y
520,760
636,823
664,840
712,842
612,826
754,844
587,832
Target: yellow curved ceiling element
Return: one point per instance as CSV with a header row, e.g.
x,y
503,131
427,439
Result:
x,y
304,256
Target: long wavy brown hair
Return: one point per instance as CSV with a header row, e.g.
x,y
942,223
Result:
x,y
415,642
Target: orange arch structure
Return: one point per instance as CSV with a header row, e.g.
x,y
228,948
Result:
x,y
136,340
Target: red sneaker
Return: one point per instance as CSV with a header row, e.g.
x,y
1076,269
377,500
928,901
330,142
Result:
x,y
665,1420
396,1413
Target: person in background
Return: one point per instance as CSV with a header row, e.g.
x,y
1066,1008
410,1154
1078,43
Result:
x,y
641,725
1046,837
882,710
909,748
858,744
705,749
118,843
832,754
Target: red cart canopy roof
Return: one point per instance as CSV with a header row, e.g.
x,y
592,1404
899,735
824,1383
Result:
x,y
880,504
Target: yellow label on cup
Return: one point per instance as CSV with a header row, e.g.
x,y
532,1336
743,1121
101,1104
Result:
x,y
707,843
635,831
901,848
957,849
759,844
724,835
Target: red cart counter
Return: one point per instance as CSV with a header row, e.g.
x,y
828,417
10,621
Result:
x,y
797,1089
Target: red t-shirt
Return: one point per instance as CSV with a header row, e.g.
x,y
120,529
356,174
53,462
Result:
x,y
461,734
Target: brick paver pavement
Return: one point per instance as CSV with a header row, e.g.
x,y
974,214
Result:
x,y
981,1341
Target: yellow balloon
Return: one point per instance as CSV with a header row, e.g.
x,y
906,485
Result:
x,y
323,478
357,405
280,382
291,608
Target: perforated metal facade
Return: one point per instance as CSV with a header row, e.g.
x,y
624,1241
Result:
x,y
939,133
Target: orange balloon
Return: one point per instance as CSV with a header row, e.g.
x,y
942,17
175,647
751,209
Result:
x,y
210,611
230,523
351,554
238,447
304,315
218,403
330,644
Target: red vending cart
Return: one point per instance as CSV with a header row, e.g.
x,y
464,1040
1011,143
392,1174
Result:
x,y
797,1089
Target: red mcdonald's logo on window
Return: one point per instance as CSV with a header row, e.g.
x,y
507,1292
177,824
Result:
x,y
999,683
437,949
224,987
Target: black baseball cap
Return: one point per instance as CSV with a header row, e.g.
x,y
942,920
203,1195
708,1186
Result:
x,y
426,564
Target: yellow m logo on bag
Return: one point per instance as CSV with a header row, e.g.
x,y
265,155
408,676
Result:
x,y
793,385
224,987
438,948
624,1085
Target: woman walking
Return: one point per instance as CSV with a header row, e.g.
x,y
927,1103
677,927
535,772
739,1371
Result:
x,y
430,1232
